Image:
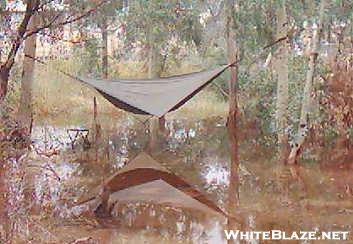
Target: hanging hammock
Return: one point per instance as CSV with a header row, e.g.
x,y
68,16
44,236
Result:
x,y
151,96
154,96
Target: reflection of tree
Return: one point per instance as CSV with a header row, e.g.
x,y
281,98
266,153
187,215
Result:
x,y
200,144
232,49
164,220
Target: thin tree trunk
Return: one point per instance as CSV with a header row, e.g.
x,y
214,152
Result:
x,y
4,79
97,129
104,29
154,71
233,109
307,100
1,39
154,62
105,72
25,110
5,69
281,67
233,190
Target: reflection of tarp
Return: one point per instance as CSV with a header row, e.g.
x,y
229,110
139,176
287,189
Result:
x,y
144,179
154,96
161,192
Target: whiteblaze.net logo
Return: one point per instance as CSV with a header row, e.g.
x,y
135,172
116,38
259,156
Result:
x,y
281,235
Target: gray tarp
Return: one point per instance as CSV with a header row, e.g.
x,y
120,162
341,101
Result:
x,y
154,96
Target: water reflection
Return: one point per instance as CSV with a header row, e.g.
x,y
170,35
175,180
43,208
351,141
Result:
x,y
169,222
196,150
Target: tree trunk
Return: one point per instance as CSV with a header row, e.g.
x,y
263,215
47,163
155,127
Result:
x,y
307,101
104,29
97,130
25,110
154,71
281,68
154,62
6,67
232,116
4,79
233,190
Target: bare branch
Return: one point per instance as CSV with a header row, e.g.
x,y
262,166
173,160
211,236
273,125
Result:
x,y
68,40
52,24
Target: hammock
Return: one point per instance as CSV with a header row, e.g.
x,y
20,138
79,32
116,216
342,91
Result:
x,y
154,96
145,180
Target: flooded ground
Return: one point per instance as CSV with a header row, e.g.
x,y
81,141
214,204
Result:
x,y
62,170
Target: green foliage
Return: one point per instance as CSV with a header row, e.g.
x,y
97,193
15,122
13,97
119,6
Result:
x,y
2,4
158,22
89,57
258,97
259,29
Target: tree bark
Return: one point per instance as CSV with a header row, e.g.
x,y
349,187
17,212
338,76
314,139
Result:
x,y
25,111
154,62
4,79
281,68
154,71
307,100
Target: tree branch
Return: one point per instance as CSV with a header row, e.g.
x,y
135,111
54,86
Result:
x,y
52,24
31,5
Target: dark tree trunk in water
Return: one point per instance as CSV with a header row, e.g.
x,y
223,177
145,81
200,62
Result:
x,y
233,193
232,115
25,110
161,121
